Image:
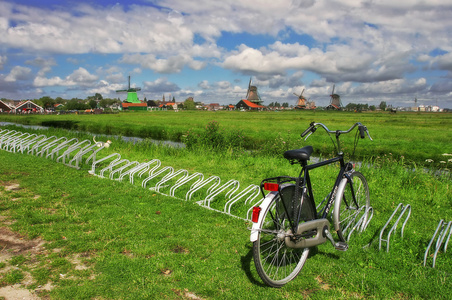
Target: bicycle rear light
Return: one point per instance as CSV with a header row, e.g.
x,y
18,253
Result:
x,y
270,186
256,212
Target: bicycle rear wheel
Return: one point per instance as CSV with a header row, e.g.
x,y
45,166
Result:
x,y
348,211
276,263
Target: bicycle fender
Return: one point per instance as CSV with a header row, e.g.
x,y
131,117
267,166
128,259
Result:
x,y
337,200
264,206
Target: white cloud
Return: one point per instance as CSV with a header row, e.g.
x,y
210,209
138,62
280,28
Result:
x,y
80,77
3,60
172,64
370,42
161,85
18,73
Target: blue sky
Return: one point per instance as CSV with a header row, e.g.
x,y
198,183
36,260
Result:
x,y
372,51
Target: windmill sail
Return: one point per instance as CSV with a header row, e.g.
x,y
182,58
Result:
x,y
252,95
132,96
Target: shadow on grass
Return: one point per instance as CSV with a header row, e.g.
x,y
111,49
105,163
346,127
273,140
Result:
x,y
246,266
66,124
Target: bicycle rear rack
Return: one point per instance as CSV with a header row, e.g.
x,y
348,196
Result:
x,y
443,231
403,210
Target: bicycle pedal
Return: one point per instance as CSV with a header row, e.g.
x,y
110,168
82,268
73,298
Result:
x,y
341,246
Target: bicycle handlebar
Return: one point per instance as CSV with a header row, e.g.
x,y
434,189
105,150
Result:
x,y
313,127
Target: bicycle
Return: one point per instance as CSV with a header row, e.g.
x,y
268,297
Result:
x,y
287,224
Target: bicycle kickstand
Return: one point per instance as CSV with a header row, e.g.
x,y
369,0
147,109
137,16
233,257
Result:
x,y
341,246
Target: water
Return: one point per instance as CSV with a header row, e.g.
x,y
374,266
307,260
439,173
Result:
x,y
129,139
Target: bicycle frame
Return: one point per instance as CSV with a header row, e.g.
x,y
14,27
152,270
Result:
x,y
303,181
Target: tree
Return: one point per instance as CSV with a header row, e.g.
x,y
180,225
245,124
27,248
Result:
x,y
383,105
92,103
189,104
76,104
46,102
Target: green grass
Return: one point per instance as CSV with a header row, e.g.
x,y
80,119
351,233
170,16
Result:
x,y
415,136
137,244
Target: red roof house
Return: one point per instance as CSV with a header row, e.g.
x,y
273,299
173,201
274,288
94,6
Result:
x,y
246,104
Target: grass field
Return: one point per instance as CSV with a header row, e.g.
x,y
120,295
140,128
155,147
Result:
x,y
415,136
97,238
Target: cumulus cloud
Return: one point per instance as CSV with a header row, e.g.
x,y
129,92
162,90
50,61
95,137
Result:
x,y
161,85
19,73
173,64
2,61
357,44
80,77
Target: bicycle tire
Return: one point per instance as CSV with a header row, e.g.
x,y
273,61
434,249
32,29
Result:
x,y
276,263
345,211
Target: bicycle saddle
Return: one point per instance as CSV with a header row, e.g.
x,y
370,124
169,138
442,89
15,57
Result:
x,y
299,154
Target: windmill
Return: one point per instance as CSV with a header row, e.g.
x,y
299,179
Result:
x,y
301,104
132,96
252,95
335,100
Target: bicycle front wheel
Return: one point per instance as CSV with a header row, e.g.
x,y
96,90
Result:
x,y
349,209
275,262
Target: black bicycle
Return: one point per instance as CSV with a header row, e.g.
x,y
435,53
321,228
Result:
x,y
287,223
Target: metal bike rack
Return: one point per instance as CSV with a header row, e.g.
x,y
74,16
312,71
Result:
x,y
111,167
41,143
141,169
46,149
115,156
403,209
16,142
79,146
359,222
198,177
71,152
153,175
8,136
56,150
253,191
443,231
182,173
26,145
232,185
129,164
11,139
78,157
212,182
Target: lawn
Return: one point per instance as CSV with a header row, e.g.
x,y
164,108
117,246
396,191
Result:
x,y
96,238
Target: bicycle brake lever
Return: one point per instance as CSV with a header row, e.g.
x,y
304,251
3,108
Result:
x,y
367,131
307,136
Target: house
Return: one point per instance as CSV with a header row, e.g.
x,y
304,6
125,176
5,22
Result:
x,y
167,104
134,106
248,105
27,107
213,106
4,107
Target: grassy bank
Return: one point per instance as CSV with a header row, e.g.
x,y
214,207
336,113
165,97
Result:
x,y
414,136
106,239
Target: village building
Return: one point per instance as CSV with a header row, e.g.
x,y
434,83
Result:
x,y
213,106
5,107
248,105
28,107
253,100
134,106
